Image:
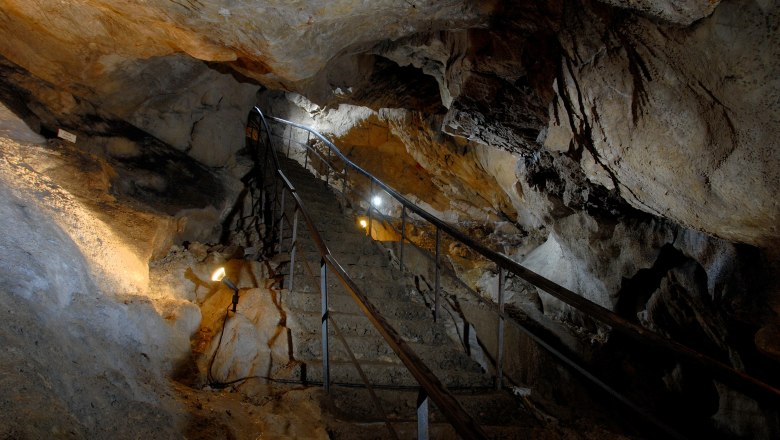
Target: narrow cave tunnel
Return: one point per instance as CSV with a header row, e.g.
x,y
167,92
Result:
x,y
539,220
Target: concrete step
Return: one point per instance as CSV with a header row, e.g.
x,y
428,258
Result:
x,y
436,357
418,331
376,291
374,430
489,408
344,304
376,274
348,259
382,374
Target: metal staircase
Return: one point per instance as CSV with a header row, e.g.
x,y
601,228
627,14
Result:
x,y
391,351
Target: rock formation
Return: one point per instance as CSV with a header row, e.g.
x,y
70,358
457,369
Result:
x,y
626,150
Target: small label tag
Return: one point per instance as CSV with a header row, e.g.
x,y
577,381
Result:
x,y
62,134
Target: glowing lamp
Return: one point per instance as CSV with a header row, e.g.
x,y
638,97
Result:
x,y
376,201
219,275
363,223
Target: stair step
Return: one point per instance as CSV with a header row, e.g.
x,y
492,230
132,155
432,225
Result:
x,y
440,430
382,374
419,331
356,272
376,349
344,304
488,408
376,291
348,260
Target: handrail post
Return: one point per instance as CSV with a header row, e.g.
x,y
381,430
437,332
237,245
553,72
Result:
x,y
263,197
370,206
500,348
274,201
289,141
344,183
438,276
403,238
293,247
327,171
306,160
281,220
422,415
325,352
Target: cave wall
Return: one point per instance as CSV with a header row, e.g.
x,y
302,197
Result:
x,y
628,149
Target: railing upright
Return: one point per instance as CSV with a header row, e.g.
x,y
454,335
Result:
x,y
403,238
325,345
500,336
422,415
437,282
344,182
370,208
293,249
281,220
289,139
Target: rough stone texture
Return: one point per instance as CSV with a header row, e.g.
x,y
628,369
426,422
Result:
x,y
681,121
579,118
495,82
83,343
682,12
451,177
181,101
96,50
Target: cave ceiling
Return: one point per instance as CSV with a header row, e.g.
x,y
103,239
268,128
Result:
x,y
669,107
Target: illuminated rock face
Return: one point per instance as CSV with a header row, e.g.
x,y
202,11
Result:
x,y
612,140
664,104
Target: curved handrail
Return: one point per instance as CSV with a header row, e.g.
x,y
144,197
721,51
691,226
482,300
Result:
x,y
737,379
445,401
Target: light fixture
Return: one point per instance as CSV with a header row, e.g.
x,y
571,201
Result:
x,y
363,223
376,201
219,275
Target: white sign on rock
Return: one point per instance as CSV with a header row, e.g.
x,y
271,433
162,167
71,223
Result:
x,y
62,134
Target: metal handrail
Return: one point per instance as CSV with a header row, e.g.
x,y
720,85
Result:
x,y
728,375
429,383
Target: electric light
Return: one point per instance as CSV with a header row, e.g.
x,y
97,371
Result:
x,y
376,201
363,223
218,274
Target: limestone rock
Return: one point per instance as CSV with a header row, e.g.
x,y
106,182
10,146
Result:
x,y
682,12
684,132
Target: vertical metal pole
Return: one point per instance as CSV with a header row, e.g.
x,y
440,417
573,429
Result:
x,y
344,183
265,157
281,219
273,213
293,247
370,207
438,275
500,349
422,415
325,353
289,141
306,160
262,205
403,237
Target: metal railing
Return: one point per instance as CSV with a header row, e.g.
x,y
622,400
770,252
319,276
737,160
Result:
x,y
275,217
330,169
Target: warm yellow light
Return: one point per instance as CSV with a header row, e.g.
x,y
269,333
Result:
x,y
363,223
218,274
